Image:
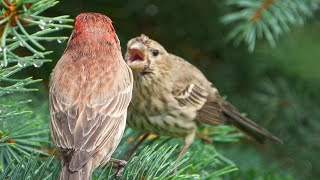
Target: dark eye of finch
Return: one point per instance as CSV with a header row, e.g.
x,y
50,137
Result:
x,y
155,52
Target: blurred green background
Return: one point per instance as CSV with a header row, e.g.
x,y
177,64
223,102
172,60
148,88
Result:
x,y
277,87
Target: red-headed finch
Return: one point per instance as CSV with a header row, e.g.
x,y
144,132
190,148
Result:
x,y
171,97
90,90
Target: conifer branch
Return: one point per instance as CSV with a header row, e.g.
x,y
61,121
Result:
x,y
265,19
256,15
21,46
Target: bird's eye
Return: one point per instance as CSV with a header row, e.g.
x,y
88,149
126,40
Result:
x,y
155,52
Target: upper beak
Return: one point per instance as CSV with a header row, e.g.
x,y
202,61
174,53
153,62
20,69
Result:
x,y
137,46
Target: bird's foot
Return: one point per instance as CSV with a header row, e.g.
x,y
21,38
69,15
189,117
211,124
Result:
x,y
121,164
204,136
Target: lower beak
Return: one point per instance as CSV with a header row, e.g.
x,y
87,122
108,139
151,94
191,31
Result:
x,y
136,65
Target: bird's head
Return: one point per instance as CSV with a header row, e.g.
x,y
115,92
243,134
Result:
x,y
94,27
145,55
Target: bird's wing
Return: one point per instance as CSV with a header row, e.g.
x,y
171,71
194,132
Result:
x,y
192,89
194,97
211,112
190,96
194,92
188,84
80,130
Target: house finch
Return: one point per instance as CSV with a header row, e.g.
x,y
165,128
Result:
x,y
90,90
171,97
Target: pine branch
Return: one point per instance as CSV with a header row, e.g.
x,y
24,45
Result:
x,y
202,160
15,20
23,136
21,46
32,167
265,19
20,134
220,133
155,162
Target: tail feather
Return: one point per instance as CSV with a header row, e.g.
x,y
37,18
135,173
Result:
x,y
222,112
82,174
246,125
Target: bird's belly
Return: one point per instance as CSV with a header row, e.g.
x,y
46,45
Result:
x,y
166,125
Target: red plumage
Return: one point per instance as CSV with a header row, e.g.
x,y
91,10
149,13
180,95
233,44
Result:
x,y
90,90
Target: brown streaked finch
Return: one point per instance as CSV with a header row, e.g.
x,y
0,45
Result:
x,y
90,90
171,97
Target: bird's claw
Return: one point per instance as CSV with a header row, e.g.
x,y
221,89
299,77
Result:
x,y
121,164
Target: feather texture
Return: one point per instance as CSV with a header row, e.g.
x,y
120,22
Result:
x,y
90,90
174,97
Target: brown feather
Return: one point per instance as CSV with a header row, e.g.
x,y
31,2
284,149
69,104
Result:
x,y
219,111
174,96
90,90
246,125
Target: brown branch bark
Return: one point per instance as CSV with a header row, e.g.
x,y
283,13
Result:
x,y
257,14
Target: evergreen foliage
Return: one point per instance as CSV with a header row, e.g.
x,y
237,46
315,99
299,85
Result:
x,y
265,19
272,85
21,29
23,135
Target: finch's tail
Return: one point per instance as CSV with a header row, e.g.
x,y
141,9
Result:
x,y
222,112
246,125
82,174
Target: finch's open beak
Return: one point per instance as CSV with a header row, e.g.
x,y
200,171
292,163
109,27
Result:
x,y
136,57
